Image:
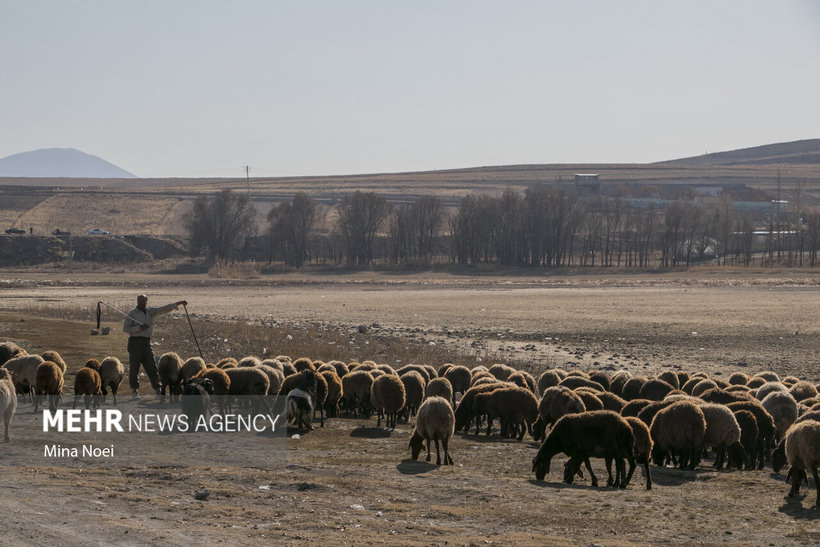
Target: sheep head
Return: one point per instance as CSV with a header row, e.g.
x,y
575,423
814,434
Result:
x,y
416,445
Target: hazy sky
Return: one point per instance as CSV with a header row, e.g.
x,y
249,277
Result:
x,y
201,88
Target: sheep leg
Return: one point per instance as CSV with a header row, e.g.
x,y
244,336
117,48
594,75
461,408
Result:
x,y
816,484
74,405
438,456
648,476
631,471
87,401
428,449
449,461
592,477
523,430
797,478
620,473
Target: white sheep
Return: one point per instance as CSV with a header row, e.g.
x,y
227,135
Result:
x,y
111,375
23,370
435,422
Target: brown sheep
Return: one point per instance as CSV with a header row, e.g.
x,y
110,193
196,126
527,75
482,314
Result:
x,y
748,436
9,350
524,379
388,397
634,407
227,362
356,389
465,411
169,369
49,382
548,378
334,392
555,403
54,357
643,445
632,388
249,382
460,378
87,383
803,454
516,407
441,387
414,386
93,363
679,427
303,363
500,371
191,367
221,383
767,431
655,389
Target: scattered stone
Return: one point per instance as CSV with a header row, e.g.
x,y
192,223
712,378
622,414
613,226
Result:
x,y
202,494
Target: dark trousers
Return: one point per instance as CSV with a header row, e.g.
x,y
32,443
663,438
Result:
x,y
140,353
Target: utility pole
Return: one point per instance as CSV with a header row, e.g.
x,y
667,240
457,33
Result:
x,y
248,179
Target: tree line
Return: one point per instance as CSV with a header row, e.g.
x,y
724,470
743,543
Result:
x,y
544,226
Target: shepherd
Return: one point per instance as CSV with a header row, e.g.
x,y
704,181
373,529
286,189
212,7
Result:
x,y
139,324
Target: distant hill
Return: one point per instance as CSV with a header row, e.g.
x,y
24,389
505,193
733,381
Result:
x,y
796,152
60,162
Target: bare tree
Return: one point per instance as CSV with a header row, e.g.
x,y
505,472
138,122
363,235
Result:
x,y
218,225
290,224
360,217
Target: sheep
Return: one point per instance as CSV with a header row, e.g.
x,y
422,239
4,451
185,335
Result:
x,y
250,382
300,399
717,395
275,378
23,370
689,385
602,378
441,387
573,382
616,385
632,388
477,376
524,379
111,375
755,382
767,431
274,364
8,401
803,454
802,390
303,363
459,377
414,387
548,378
749,433
169,369
648,413
93,363
387,369
465,411
769,387
611,401
768,375
643,445
595,434
341,368
356,389
500,371
516,407
670,378
633,407
789,381
655,389
49,382
227,362
555,403
483,380
249,361
590,398
334,392
87,382
783,409
9,350
703,386
442,370
325,366
738,379
680,427
191,367
195,400
220,382
435,421
416,368
54,357
722,434
387,396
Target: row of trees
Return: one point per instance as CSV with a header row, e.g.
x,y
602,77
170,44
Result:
x,y
544,226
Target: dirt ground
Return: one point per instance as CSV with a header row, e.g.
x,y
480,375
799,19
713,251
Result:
x,y
353,482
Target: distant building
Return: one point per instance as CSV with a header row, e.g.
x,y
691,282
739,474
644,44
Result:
x,y
587,182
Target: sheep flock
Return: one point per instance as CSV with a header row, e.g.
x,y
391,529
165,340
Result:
x,y
676,420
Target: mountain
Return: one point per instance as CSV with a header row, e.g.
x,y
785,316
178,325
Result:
x,y
795,152
60,162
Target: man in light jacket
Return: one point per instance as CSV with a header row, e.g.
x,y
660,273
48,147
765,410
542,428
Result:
x,y
139,324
